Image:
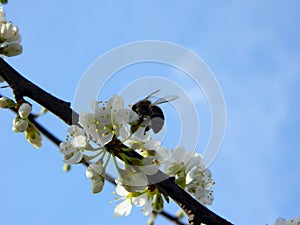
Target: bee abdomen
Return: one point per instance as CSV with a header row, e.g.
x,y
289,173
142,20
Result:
x,y
157,118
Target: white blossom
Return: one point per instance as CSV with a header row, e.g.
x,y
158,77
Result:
x,y
191,174
108,127
147,209
154,154
148,199
108,119
199,183
74,150
131,180
181,160
124,208
24,110
148,166
19,125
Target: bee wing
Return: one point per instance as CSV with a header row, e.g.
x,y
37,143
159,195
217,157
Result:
x,y
153,93
167,98
156,124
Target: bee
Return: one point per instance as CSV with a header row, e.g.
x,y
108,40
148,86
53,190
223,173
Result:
x,y
150,115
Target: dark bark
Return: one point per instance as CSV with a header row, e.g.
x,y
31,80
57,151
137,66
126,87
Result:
x,y
24,88
197,213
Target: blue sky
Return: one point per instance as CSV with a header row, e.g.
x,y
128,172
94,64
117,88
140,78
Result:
x,y
251,46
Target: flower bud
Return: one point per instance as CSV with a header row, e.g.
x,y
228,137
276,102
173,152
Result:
x,y
97,184
180,214
24,110
93,171
6,102
66,167
10,33
33,136
11,49
158,203
1,79
19,125
2,15
35,139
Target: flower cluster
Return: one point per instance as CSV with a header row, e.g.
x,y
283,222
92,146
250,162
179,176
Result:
x,y
21,123
282,221
191,174
105,133
10,37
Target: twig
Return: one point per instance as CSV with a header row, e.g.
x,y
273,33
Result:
x,y
24,88
108,177
197,213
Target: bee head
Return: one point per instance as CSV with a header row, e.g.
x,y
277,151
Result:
x,y
135,107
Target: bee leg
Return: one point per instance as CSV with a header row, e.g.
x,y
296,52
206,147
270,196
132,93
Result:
x,y
147,129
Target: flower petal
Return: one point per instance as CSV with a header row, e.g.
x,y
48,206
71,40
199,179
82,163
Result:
x,y
123,209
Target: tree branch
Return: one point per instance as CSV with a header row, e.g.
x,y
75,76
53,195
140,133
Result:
x,y
24,88
197,213
108,177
